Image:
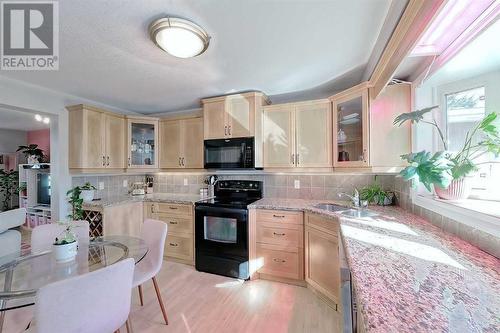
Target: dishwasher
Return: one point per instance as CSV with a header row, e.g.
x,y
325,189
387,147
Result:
x,y
348,295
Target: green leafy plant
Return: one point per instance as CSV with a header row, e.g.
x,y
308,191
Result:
x,y
8,186
440,168
76,203
66,237
87,187
32,150
374,193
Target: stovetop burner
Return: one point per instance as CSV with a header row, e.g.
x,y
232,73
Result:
x,y
234,194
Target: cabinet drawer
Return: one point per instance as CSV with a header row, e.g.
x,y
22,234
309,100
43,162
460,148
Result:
x,y
179,247
330,225
279,216
269,233
172,209
280,262
175,223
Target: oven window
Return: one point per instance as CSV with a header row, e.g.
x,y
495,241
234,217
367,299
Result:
x,y
220,229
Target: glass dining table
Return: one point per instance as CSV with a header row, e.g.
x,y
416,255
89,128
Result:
x,y
23,273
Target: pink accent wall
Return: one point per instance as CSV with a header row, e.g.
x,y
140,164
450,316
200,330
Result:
x,y
41,138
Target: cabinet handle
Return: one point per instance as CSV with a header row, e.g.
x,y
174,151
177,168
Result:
x,y
173,207
172,222
225,130
298,159
364,155
279,216
174,244
179,161
279,260
104,161
129,164
279,234
107,163
292,159
229,129
152,209
182,160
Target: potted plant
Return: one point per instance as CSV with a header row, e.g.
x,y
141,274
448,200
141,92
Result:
x,y
22,189
8,186
449,172
375,194
76,203
87,192
33,153
65,245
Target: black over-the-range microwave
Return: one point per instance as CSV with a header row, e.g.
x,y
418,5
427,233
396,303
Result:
x,y
237,153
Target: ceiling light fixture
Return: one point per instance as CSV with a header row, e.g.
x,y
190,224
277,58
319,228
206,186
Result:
x,y
46,120
179,37
38,117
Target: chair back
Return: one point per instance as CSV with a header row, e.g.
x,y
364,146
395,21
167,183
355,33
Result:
x,y
154,233
98,301
12,218
43,236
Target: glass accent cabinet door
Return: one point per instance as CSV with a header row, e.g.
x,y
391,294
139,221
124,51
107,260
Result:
x,y
142,143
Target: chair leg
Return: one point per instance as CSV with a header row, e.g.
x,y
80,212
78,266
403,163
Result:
x,y
160,300
140,295
129,326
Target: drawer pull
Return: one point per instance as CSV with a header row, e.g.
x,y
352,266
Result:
x,y
172,222
170,207
279,260
279,234
279,216
174,244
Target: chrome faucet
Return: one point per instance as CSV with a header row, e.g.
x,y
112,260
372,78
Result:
x,y
354,198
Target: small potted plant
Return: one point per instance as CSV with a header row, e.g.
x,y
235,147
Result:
x,y
65,245
449,172
376,195
87,192
33,154
23,191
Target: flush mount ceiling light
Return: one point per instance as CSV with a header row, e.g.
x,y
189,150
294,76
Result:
x,y
179,37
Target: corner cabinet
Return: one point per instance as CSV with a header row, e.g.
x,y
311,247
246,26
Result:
x,y
142,143
181,143
96,139
298,135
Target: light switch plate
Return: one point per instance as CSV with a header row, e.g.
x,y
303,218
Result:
x,y
185,182
101,185
296,183
125,183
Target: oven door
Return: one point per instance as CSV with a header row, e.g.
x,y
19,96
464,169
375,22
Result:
x,y
229,153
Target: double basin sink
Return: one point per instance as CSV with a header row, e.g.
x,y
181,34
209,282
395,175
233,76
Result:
x,y
346,211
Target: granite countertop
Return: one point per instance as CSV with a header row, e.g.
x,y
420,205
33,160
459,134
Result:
x,y
156,197
410,276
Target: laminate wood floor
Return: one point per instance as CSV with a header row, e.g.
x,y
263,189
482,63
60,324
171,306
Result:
x,y
201,302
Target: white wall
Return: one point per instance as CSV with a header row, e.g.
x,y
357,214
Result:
x,y
30,98
11,139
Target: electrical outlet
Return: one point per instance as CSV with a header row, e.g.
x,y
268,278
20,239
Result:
x,y
185,182
296,183
125,183
101,185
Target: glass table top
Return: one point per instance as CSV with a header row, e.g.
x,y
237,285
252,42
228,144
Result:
x,y
23,273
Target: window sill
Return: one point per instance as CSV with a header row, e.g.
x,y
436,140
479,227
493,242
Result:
x,y
479,214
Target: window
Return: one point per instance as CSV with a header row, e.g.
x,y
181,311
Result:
x,y
463,110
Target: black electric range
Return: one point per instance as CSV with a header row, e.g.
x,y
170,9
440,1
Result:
x,y
221,228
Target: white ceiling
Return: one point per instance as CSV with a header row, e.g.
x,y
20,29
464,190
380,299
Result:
x,y
20,121
278,47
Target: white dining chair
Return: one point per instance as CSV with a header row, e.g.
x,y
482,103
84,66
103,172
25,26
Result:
x,y
43,236
154,233
98,302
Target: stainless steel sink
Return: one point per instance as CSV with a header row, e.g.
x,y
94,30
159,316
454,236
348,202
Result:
x,y
358,213
331,207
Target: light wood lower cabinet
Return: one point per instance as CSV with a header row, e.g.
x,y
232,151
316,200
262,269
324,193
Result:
x,y
179,245
280,246
322,259
124,219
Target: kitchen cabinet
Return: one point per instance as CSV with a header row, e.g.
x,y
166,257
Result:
x,y
351,128
179,245
322,258
96,139
181,143
298,135
232,116
142,139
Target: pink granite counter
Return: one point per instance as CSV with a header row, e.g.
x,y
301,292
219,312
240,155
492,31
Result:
x,y
410,276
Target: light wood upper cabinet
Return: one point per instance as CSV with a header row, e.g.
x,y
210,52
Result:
x,y
351,128
181,143
96,138
142,143
314,135
322,257
298,135
278,136
232,116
